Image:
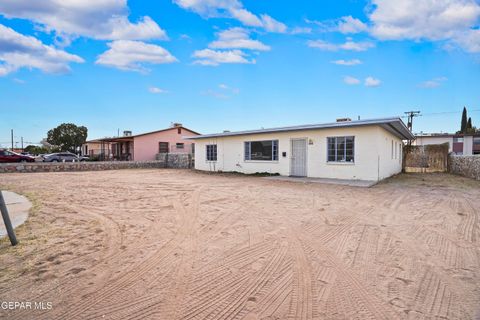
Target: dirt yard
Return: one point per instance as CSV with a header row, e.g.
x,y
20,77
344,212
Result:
x,y
164,244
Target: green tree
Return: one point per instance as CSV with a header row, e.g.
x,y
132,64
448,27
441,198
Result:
x,y
67,136
463,127
36,149
470,128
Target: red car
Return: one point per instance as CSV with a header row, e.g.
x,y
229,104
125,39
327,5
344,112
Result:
x,y
9,156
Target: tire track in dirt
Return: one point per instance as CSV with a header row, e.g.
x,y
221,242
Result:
x,y
208,300
302,304
114,240
468,227
375,306
174,266
161,258
276,294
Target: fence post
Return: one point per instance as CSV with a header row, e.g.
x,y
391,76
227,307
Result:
x,y
6,220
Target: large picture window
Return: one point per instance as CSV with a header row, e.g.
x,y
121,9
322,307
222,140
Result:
x,y
341,149
211,152
261,150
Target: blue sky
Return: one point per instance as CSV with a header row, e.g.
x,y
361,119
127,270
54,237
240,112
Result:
x,y
229,64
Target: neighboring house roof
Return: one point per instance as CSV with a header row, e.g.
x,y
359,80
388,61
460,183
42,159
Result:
x,y
445,135
393,125
129,138
94,141
157,131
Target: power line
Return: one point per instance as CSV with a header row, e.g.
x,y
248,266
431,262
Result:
x,y
410,116
442,112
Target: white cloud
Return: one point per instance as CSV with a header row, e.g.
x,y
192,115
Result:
x,y
322,45
20,51
352,62
453,21
232,39
237,38
273,25
225,92
372,82
351,80
208,57
349,45
357,46
232,9
132,55
469,40
433,83
301,30
156,90
345,25
246,17
349,24
228,88
103,19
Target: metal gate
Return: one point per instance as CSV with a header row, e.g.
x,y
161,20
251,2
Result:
x,y
298,160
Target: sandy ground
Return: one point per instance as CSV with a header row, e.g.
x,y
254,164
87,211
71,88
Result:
x,y
163,244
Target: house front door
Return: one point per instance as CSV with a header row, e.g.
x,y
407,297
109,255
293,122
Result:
x,y
298,160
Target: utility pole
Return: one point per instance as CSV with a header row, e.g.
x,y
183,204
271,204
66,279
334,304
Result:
x,y
22,143
411,115
12,138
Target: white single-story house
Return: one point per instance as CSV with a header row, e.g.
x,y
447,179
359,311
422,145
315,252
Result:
x,y
359,150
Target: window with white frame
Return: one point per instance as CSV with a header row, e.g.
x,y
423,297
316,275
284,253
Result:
x,y
266,150
211,152
341,149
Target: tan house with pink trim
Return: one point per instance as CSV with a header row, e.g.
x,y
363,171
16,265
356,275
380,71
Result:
x,y
142,147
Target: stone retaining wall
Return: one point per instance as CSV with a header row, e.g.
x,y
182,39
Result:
x,y
468,166
176,160
87,166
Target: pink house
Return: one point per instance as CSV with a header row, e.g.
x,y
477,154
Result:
x,y
145,146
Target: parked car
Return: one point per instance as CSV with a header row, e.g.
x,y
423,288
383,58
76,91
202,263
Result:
x,y
9,156
62,157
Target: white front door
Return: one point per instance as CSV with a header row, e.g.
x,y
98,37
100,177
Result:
x,y
298,160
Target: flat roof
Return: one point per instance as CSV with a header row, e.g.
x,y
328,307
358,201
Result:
x,y
446,135
394,125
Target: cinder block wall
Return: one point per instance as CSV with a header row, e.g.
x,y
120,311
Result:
x,y
468,166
